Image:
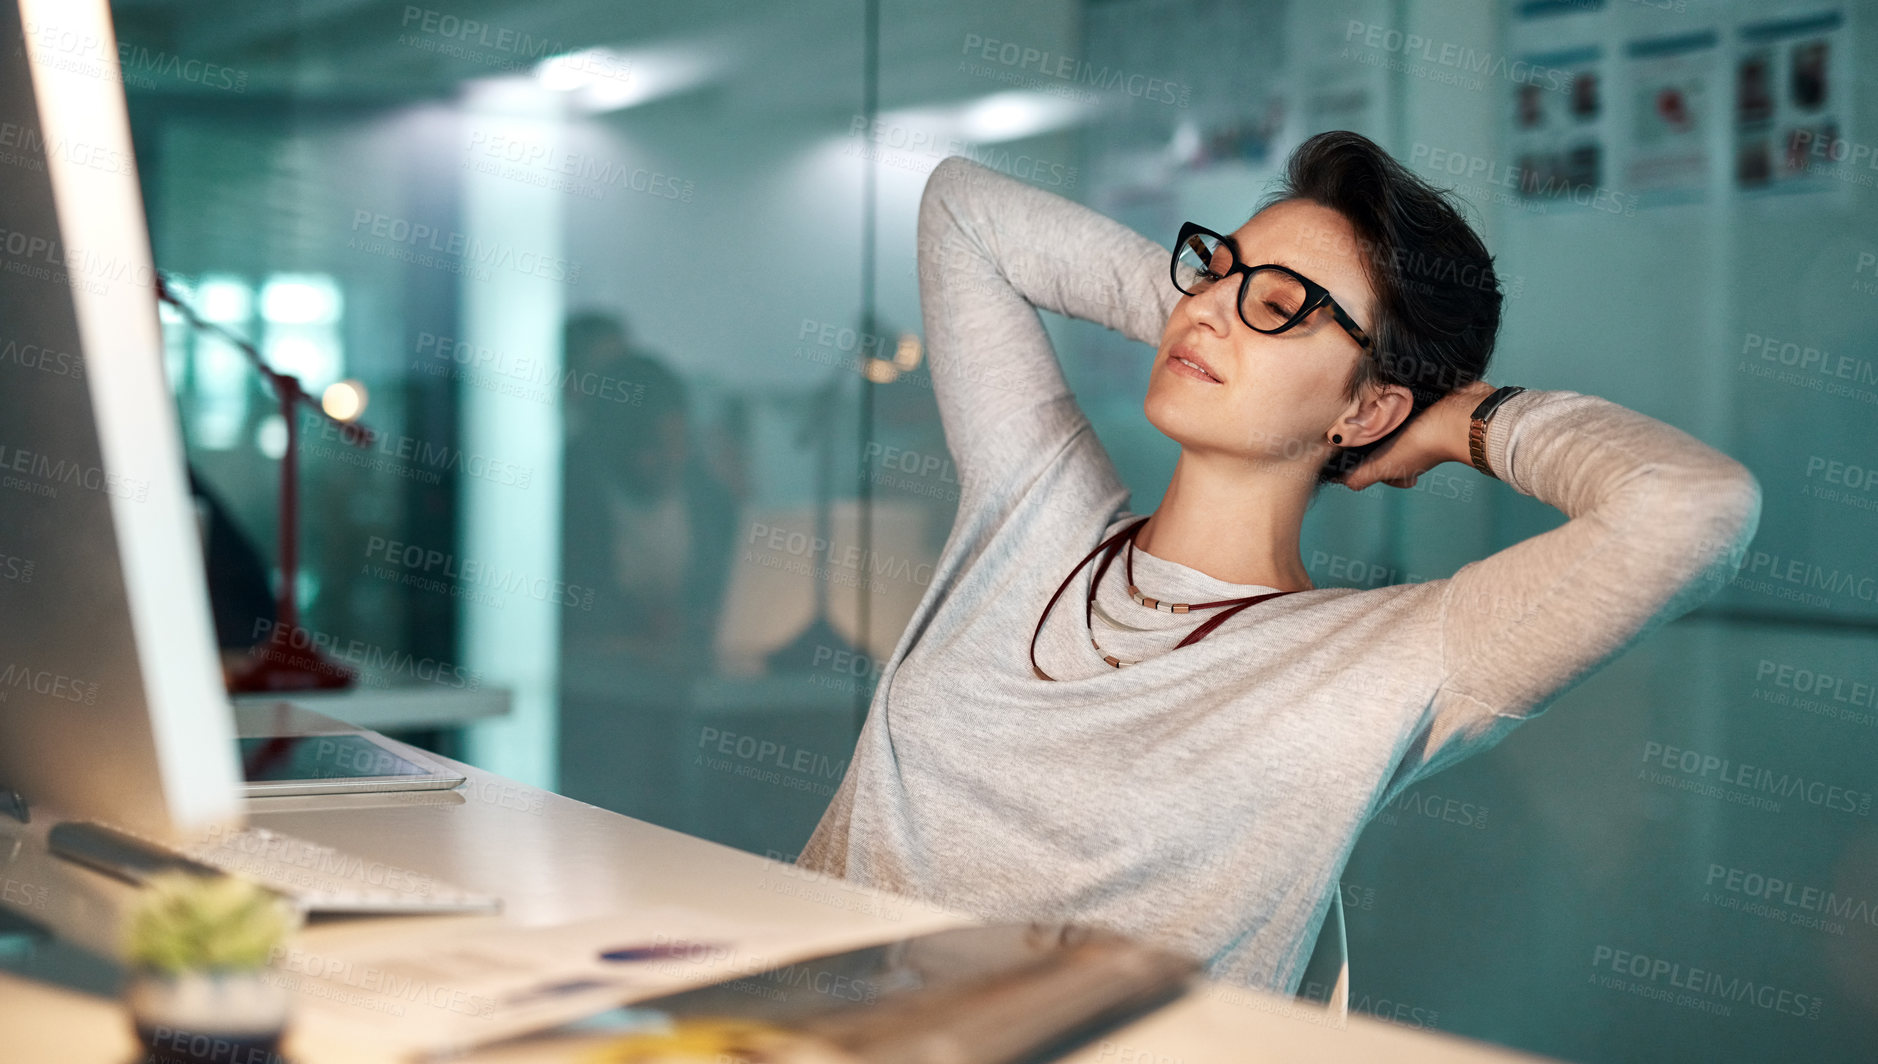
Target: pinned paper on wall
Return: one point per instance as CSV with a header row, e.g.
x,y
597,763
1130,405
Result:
x,y
1791,105
1558,131
1672,84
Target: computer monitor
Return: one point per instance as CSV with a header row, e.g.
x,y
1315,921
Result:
x,y
111,698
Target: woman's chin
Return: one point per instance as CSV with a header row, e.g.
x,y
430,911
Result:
x,y
1177,420
1213,430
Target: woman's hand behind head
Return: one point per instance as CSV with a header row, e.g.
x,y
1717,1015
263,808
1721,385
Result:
x,y
1438,434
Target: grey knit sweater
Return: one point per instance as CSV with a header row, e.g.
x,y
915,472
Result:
x,y
1208,797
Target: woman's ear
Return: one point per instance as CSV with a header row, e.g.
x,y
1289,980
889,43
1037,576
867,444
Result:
x,y
1375,414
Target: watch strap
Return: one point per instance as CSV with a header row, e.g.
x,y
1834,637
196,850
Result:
x,y
1477,426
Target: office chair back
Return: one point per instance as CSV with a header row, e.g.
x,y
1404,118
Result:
x,y
1327,974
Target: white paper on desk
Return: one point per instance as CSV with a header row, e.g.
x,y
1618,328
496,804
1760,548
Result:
x,y
453,991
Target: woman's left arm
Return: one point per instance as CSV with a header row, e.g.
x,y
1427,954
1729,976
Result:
x,y
1657,521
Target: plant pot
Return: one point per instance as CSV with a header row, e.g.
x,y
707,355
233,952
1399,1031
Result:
x,y
199,1017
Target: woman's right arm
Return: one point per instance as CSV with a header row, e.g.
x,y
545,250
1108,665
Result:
x,y
992,250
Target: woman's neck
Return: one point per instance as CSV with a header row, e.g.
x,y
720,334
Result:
x,y
1233,521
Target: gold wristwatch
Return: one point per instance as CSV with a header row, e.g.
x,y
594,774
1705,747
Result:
x,y
1477,426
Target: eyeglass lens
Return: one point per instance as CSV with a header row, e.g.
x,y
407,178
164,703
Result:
x,y
1268,299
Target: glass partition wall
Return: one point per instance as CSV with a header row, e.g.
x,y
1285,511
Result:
x,y
630,294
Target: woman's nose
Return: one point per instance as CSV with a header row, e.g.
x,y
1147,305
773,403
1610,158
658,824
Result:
x,y
1218,306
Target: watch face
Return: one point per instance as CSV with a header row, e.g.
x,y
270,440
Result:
x,y
1492,402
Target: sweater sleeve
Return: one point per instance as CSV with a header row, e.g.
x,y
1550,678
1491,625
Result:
x,y
1657,521
992,251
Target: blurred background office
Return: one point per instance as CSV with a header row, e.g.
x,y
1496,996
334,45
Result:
x,y
629,290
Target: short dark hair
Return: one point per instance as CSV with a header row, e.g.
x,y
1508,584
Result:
x,y
1438,300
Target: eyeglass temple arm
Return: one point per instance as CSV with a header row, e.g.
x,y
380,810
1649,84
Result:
x,y
1348,323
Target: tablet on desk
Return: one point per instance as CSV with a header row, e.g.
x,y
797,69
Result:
x,y
338,763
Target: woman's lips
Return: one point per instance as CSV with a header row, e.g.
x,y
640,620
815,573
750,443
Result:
x,y
1188,366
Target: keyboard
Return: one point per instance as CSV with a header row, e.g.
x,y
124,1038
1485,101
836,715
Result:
x,y
315,878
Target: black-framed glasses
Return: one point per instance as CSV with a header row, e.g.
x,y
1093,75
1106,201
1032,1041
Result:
x,y
1273,298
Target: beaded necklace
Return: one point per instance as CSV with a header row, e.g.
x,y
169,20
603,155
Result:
x,y
1107,549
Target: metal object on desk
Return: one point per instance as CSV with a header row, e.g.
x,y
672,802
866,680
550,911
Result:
x,y
966,995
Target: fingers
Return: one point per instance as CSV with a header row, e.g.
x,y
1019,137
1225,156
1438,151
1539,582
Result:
x,y
1361,478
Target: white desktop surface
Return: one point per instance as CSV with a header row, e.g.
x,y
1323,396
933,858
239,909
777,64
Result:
x,y
555,860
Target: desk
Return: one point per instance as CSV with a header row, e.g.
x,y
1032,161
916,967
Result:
x,y
555,860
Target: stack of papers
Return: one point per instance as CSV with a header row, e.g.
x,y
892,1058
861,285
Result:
x,y
464,988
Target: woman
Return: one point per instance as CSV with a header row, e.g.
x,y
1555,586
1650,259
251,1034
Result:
x,y
1203,789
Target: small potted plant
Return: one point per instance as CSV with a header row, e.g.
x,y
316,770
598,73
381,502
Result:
x,y
197,948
